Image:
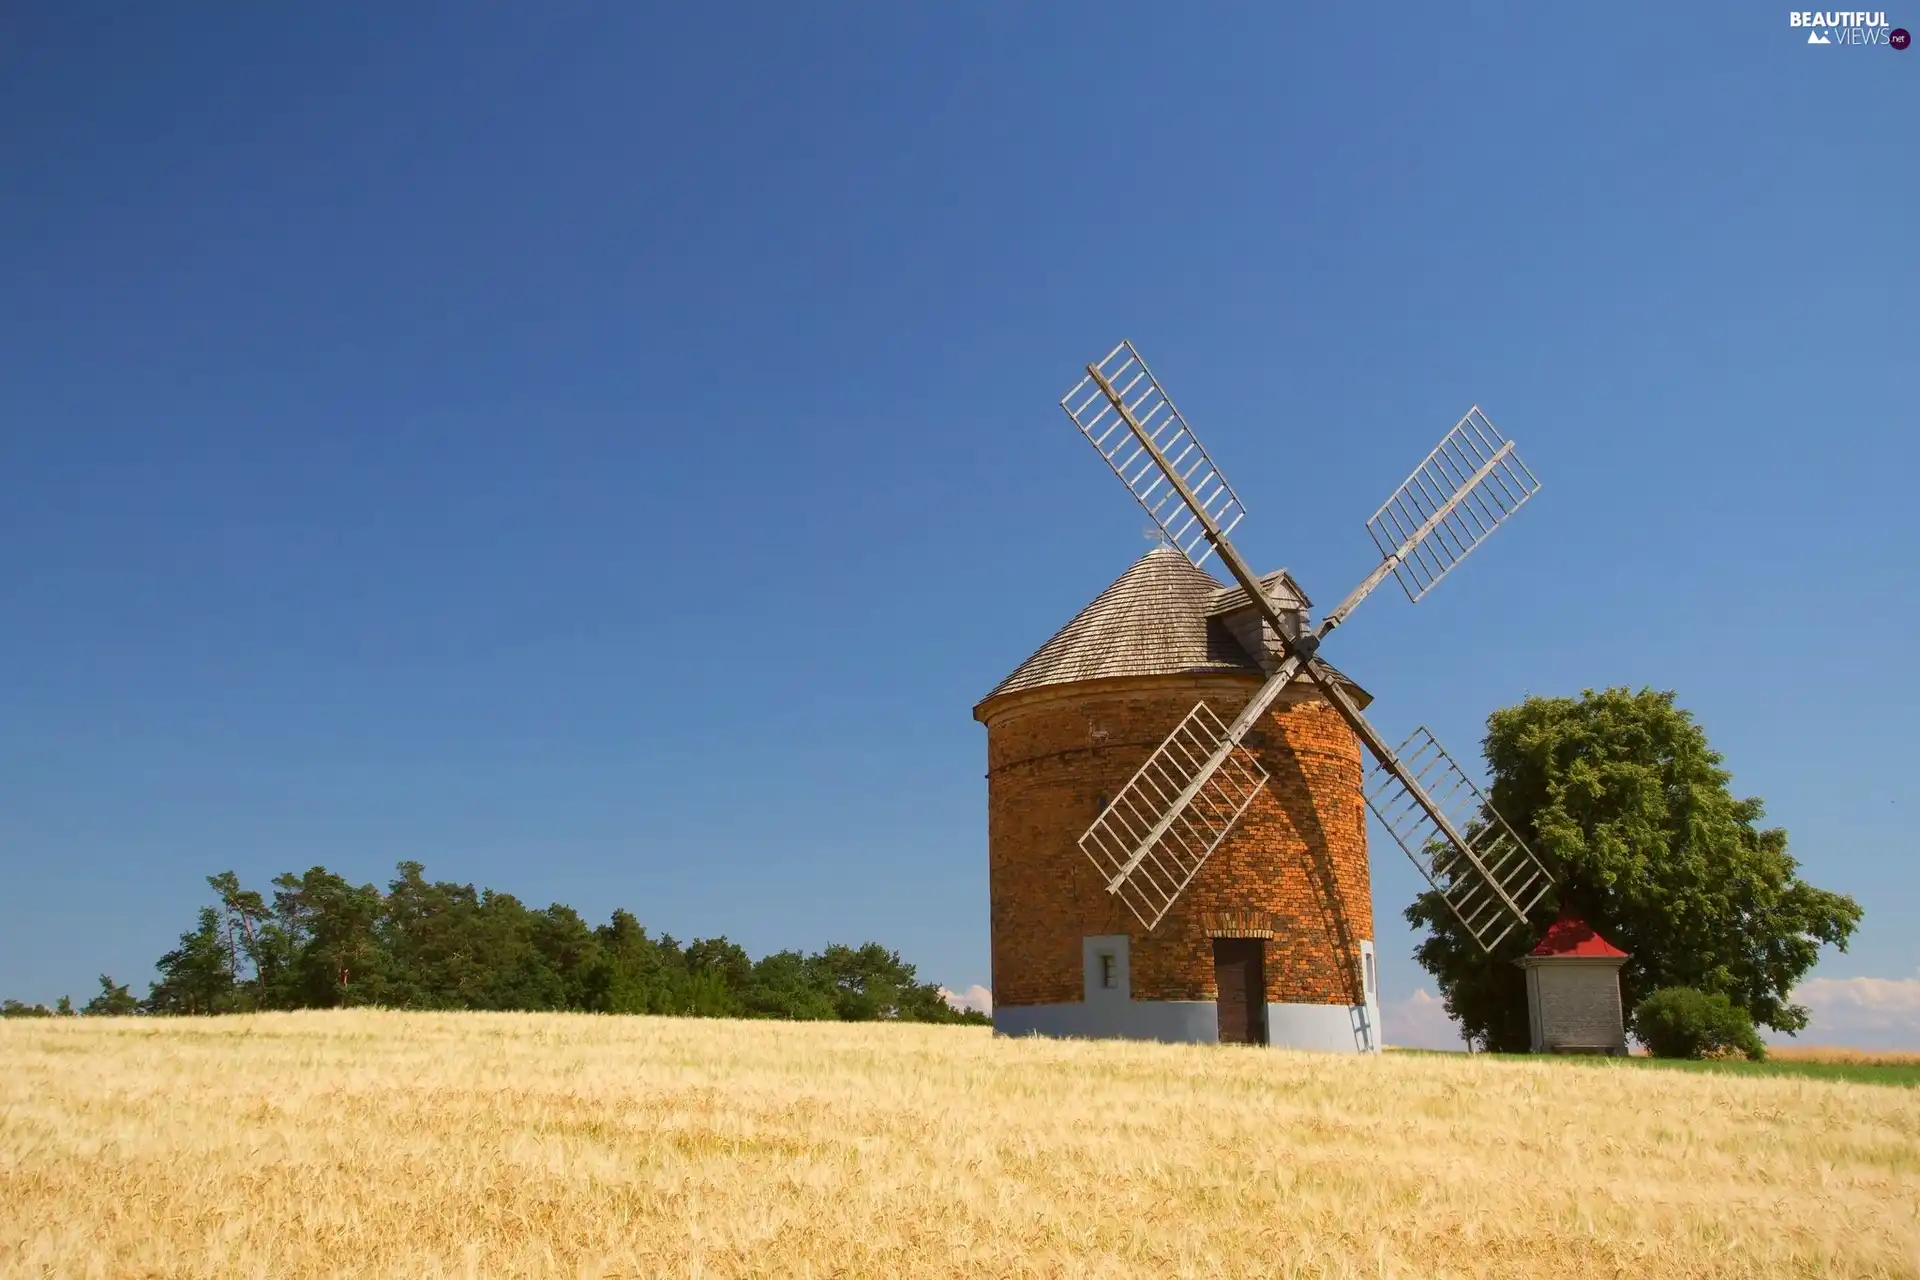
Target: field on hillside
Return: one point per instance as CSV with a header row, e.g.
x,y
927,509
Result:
x,y
528,1144
1835,1055
1857,1066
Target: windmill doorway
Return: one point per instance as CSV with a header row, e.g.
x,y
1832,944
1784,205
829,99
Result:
x,y
1240,979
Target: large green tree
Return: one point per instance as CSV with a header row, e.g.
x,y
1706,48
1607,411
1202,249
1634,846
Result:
x,y
1630,810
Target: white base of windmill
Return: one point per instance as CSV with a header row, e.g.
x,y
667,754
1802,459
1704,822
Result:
x,y
1324,1028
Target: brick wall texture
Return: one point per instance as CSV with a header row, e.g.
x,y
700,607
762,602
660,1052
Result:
x,y
1295,863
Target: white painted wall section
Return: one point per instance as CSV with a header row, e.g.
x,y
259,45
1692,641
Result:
x,y
1171,1021
1325,1028
1366,1031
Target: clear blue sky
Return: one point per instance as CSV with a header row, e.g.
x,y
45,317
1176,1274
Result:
x,y
604,452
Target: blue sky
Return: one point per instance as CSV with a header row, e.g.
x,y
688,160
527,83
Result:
x,y
604,452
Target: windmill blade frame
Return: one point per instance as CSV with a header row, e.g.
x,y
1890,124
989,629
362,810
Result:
x,y
1192,507
1458,495
1147,818
1505,864
1510,880
1177,842
1147,847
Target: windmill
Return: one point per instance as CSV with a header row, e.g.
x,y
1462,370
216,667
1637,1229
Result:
x,y
1157,831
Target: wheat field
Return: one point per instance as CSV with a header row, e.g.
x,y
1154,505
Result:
x,y
386,1144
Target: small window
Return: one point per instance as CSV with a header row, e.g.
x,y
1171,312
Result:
x,y
1369,958
1109,970
1100,804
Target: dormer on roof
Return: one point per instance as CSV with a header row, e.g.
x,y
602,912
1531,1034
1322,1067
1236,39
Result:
x,y
1238,614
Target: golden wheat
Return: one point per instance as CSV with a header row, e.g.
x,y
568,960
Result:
x,y
383,1144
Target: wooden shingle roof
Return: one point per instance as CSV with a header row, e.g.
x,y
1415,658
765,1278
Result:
x,y
1151,622
1161,617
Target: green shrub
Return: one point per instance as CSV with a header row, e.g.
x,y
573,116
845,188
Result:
x,y
1679,1022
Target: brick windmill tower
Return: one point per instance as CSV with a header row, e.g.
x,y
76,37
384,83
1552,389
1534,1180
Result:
x,y
1272,942
1177,843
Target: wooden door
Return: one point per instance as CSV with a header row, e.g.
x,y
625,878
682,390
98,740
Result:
x,y
1240,980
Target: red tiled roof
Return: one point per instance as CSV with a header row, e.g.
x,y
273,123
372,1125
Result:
x,y
1572,936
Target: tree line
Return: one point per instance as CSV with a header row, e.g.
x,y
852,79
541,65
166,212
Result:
x,y
320,942
1618,792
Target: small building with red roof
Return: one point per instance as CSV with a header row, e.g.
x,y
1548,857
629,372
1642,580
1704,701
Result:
x,y
1573,990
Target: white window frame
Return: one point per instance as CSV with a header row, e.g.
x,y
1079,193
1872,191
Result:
x,y
1094,956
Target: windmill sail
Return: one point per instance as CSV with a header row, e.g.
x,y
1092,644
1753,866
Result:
x,y
1122,410
1176,811
1461,492
1159,830
1486,874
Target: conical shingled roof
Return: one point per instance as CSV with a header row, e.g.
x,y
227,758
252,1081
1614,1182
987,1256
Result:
x,y
1151,622
1161,617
